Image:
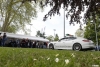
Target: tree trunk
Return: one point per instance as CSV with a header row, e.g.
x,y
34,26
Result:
x,y
7,17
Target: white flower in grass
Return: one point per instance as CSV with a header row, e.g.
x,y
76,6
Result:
x,y
66,61
73,55
48,58
13,49
34,59
95,65
57,55
57,59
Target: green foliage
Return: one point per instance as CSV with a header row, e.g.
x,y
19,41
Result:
x,y
56,37
17,14
27,57
50,38
40,34
90,30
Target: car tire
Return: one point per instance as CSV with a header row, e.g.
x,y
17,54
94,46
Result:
x,y
77,47
51,46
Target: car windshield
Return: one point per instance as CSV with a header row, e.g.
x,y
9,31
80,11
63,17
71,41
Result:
x,y
72,38
67,38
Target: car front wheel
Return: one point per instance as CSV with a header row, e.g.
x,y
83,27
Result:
x,y
51,46
77,47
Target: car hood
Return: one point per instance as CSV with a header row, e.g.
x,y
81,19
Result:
x,y
54,42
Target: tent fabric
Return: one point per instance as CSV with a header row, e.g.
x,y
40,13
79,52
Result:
x,y
12,35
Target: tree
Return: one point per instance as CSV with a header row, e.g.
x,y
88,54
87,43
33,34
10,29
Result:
x,y
40,34
79,33
90,30
16,15
50,38
74,8
56,37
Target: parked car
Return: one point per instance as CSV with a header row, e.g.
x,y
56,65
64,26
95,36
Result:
x,y
73,43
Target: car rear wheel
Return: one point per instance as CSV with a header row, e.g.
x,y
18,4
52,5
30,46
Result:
x,y
51,46
77,47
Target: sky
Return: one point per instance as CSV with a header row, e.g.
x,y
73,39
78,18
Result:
x,y
56,22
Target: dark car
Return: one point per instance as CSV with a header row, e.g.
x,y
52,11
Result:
x,y
97,48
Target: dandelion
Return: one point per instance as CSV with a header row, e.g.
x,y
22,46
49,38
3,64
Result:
x,y
57,55
95,65
66,61
73,55
34,59
48,58
57,59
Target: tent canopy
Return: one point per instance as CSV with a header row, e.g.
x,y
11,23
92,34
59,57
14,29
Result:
x,y
12,35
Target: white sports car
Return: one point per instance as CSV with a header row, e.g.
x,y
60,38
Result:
x,y
73,43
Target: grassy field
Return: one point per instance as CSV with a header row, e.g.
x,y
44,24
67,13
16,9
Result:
x,y
29,57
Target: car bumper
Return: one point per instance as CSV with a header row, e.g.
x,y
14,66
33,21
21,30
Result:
x,y
88,46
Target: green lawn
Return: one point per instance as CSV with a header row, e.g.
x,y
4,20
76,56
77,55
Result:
x,y
30,57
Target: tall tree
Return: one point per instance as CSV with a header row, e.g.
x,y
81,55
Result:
x,y
40,34
90,30
16,15
56,38
74,8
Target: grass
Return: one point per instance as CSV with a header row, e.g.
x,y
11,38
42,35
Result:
x,y
30,57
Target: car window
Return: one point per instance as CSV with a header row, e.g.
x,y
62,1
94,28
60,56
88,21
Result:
x,y
67,38
71,38
63,39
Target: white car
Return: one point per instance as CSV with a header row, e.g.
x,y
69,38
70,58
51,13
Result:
x,y
73,43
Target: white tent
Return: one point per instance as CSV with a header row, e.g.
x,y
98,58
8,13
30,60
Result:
x,y
12,35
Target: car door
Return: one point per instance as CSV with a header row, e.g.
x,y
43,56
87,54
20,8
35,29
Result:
x,y
61,44
69,42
